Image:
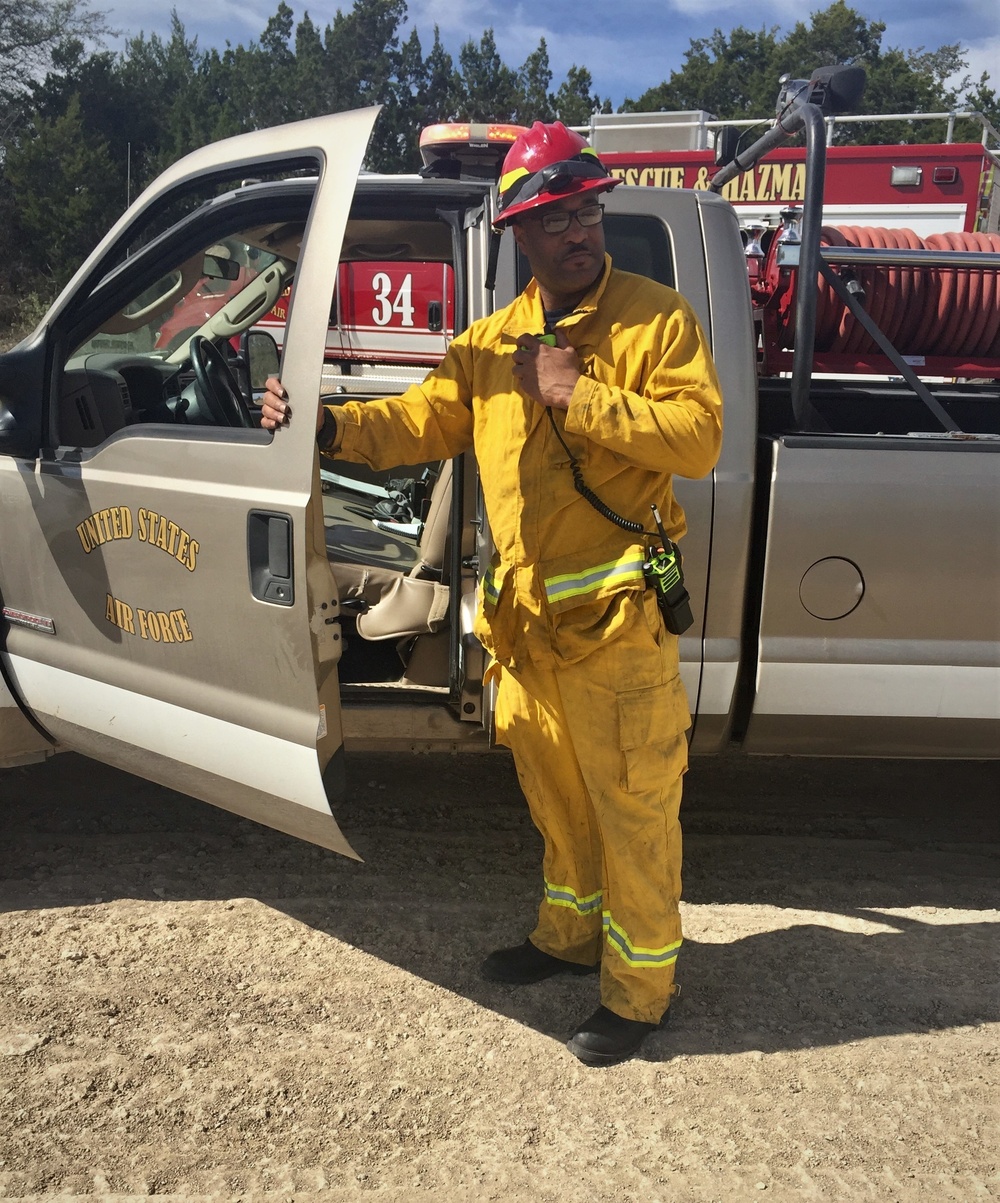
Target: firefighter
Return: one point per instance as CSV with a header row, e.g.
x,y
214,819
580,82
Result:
x,y
582,399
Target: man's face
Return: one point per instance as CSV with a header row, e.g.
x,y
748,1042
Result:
x,y
565,265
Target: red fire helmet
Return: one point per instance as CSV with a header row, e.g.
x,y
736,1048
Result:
x,y
545,163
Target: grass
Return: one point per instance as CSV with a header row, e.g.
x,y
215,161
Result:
x,y
19,316
11,336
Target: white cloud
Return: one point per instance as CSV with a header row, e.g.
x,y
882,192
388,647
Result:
x,y
983,56
462,19
710,13
236,21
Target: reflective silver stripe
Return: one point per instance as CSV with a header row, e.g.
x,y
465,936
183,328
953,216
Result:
x,y
575,584
490,591
648,957
564,896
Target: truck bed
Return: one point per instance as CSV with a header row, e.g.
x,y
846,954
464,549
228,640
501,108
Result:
x,y
873,407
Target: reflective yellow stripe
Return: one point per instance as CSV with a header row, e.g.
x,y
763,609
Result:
x,y
564,896
511,177
490,592
650,958
574,584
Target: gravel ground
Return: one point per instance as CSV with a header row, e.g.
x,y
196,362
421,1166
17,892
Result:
x,y
193,1006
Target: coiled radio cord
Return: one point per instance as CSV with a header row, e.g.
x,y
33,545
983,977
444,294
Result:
x,y
635,528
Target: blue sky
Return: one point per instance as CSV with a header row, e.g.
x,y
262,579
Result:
x,y
627,45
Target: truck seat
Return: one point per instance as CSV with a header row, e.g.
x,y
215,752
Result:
x,y
397,587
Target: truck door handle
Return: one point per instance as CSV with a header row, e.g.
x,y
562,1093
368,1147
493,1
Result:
x,y
269,555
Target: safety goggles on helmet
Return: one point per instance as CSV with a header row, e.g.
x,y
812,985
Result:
x,y
521,190
557,178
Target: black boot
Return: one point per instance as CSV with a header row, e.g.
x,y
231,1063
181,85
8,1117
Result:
x,y
525,964
606,1038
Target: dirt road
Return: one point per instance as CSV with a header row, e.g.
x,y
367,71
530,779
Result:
x,y
192,1005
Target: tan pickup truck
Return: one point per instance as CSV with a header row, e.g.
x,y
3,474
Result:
x,y
190,599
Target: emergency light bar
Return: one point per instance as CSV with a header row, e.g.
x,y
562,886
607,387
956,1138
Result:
x,y
470,149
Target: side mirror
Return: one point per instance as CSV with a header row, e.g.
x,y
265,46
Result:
x,y
727,143
259,352
836,90
22,388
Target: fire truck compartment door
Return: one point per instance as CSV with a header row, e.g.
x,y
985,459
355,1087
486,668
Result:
x,y
170,607
880,619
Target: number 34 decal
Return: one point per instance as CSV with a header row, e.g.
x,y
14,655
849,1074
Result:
x,y
401,303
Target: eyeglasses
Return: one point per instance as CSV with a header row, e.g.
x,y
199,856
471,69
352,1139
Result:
x,y
558,222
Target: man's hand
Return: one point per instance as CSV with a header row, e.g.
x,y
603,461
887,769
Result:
x,y
546,374
275,411
274,408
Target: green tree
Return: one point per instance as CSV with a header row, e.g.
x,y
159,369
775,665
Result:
x,y
265,74
489,88
104,102
159,77
897,80
304,73
409,110
728,75
437,98
394,142
574,102
838,34
362,48
63,187
362,61
277,36
982,98
534,79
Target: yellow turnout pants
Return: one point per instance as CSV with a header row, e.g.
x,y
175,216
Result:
x,y
600,752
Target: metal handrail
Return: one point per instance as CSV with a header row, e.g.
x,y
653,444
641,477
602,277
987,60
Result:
x,y
951,117
864,256
989,131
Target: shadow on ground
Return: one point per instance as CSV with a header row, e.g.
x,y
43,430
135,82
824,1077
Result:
x,y
452,871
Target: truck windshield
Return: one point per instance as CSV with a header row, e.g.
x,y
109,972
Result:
x,y
166,314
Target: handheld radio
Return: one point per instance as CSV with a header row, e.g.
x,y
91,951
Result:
x,y
664,574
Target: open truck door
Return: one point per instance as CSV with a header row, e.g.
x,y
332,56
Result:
x,y
168,603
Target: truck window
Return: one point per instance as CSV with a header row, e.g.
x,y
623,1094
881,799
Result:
x,y
635,243
136,365
640,245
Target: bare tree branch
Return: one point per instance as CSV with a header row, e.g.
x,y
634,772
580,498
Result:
x,y
31,29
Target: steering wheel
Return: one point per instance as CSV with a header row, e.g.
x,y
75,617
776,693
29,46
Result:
x,y
217,385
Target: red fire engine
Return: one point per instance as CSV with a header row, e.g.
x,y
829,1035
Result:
x,y
386,311
941,196
927,188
